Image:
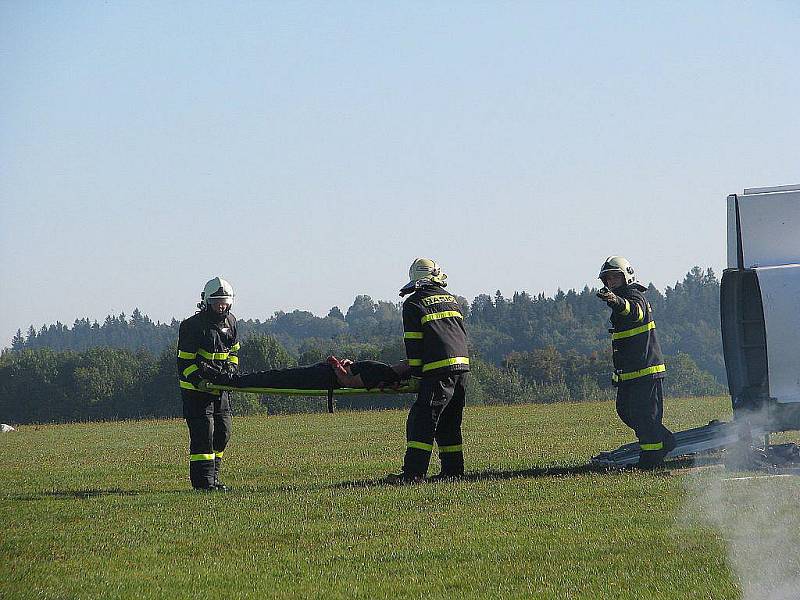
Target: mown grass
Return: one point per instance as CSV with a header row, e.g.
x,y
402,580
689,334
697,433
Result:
x,y
103,510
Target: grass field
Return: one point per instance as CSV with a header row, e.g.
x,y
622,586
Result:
x,y
103,510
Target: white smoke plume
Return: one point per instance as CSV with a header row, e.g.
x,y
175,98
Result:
x,y
758,517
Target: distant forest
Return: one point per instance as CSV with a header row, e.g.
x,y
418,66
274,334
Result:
x,y
525,349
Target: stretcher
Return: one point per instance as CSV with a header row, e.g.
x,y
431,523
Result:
x,y
318,380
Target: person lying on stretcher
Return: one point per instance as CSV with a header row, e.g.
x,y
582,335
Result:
x,y
334,373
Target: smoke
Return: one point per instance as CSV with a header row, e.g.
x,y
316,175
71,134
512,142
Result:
x,y
757,515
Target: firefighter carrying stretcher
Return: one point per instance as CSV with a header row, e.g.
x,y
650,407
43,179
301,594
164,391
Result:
x,y
437,355
208,356
208,346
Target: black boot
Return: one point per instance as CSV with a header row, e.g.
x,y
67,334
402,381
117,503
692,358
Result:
x,y
403,478
201,474
452,465
669,443
218,485
415,463
650,460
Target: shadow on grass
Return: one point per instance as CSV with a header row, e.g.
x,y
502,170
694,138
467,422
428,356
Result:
x,y
487,475
76,494
116,492
532,473
95,493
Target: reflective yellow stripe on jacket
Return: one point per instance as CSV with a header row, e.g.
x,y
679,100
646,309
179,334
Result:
x,y
204,354
639,373
639,313
441,315
213,355
456,360
635,331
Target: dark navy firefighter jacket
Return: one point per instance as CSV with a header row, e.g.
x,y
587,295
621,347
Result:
x,y
637,353
433,332
206,346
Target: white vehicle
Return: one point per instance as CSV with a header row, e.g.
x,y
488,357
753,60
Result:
x,y
760,306
760,318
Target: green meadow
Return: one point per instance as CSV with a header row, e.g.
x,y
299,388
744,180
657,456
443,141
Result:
x,y
104,510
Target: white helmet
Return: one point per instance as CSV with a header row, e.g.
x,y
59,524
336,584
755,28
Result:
x,y
620,264
216,289
423,269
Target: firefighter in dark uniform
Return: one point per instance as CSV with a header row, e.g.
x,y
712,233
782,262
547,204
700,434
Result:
x,y
207,347
436,351
638,363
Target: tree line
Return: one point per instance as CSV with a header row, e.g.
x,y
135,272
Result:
x,y
525,349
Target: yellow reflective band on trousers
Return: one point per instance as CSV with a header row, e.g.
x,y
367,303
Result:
x,y
235,347
412,335
441,315
639,373
646,447
455,448
219,454
635,331
456,360
190,369
414,362
196,457
233,359
420,446
627,309
187,355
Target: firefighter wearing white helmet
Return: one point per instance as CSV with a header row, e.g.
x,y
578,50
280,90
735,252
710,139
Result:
x,y
436,351
620,264
638,363
423,270
216,292
207,349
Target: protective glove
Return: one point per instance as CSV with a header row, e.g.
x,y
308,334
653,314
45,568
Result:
x,y
230,368
610,298
605,294
204,386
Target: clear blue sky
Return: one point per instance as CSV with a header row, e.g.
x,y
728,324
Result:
x,y
308,151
